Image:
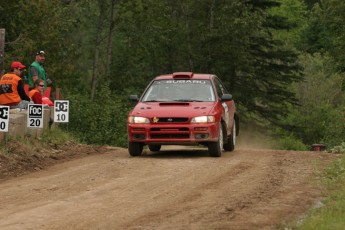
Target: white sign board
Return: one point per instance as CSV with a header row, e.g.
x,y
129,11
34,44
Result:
x,y
35,116
61,111
4,118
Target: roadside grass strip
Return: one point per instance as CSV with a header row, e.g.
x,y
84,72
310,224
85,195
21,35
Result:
x,y
331,214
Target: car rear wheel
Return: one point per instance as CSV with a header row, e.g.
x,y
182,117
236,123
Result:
x,y
215,148
135,148
155,148
231,140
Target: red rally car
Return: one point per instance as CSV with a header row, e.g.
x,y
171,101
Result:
x,y
183,108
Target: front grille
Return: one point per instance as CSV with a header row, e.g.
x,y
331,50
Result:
x,y
165,129
170,119
169,136
169,132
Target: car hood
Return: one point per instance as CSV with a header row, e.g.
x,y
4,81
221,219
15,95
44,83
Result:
x,y
172,109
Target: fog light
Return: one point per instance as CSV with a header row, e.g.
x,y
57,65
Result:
x,y
139,136
201,136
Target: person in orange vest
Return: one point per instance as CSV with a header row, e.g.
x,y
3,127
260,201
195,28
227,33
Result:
x,y
35,93
12,91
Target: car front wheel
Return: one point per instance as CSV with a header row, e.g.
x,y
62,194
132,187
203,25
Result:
x,y
215,148
135,148
231,140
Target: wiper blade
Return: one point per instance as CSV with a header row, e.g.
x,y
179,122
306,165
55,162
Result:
x,y
188,100
151,101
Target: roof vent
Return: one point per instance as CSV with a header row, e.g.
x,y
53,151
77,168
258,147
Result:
x,y
182,75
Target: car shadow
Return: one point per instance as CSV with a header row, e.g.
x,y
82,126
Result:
x,y
176,153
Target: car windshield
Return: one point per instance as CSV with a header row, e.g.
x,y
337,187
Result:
x,y
180,90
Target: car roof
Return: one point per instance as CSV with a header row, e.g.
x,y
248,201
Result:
x,y
185,75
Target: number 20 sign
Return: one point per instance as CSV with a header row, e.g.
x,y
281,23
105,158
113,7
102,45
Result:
x,y
61,111
35,116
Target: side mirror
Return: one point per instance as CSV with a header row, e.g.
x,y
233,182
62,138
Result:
x,y
226,97
133,97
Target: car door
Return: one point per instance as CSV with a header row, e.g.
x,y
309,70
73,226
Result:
x,y
228,106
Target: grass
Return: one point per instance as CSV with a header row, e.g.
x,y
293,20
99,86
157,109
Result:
x,y
28,154
33,145
57,137
332,214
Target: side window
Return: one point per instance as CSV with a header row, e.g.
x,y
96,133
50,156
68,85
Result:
x,y
220,88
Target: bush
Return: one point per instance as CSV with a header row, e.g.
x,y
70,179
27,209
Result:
x,y
338,149
57,137
99,121
291,143
319,118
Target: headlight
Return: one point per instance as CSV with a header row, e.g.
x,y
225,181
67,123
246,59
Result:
x,y
138,120
203,119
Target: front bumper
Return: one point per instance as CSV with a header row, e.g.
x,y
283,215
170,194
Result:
x,y
173,133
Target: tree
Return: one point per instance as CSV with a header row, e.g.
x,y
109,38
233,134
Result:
x,y
42,25
230,39
293,14
325,32
269,69
98,40
311,3
320,115
130,42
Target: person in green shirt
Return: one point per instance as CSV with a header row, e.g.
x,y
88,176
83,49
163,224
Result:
x,y
36,70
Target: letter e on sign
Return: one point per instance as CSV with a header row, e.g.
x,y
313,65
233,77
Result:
x,y
35,116
4,118
61,111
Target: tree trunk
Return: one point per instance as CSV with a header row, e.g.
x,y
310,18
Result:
x,y
97,48
2,51
188,32
110,38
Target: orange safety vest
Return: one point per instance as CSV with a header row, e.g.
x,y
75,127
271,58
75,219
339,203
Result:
x,y
8,89
32,92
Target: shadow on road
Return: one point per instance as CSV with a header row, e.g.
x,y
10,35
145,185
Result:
x,y
176,153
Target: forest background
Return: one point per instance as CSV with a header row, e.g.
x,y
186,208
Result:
x,y
283,60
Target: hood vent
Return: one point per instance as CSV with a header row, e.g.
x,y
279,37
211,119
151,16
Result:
x,y
173,104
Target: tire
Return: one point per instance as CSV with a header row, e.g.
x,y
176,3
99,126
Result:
x,y
215,148
135,148
155,148
231,140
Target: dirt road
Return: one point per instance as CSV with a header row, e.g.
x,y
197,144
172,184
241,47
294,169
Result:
x,y
176,189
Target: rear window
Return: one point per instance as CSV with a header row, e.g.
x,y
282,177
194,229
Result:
x,y
180,90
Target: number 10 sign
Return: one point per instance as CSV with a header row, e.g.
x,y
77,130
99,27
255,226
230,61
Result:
x,y
61,110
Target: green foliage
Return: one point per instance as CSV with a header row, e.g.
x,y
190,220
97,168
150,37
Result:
x,y
338,149
42,25
331,215
311,3
336,172
101,121
319,118
251,45
294,12
315,37
57,136
230,39
326,31
291,143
